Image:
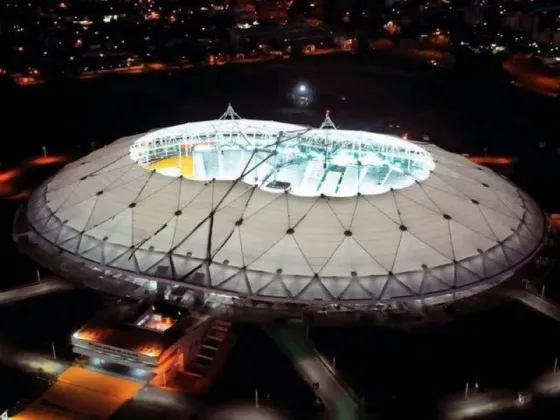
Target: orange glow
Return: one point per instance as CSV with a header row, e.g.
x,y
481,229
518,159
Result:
x,y
88,393
47,160
9,175
26,80
6,181
89,334
532,78
156,66
6,189
555,219
162,324
492,160
24,195
152,353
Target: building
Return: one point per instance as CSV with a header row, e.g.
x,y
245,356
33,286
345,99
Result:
x,y
543,24
282,219
153,342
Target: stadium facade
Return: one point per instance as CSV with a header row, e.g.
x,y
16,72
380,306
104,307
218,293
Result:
x,y
254,213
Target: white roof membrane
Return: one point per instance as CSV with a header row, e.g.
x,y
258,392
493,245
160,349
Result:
x,y
455,226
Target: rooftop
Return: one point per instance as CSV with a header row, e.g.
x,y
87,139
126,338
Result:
x,y
127,337
150,333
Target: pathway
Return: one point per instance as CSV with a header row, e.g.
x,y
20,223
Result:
x,y
31,362
536,302
35,289
336,397
244,412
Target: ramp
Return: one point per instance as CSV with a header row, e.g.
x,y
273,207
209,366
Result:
x,y
536,303
33,290
336,397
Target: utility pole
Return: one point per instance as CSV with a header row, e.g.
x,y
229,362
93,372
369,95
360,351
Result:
x,y
44,151
466,390
256,398
38,275
542,291
555,364
334,363
53,350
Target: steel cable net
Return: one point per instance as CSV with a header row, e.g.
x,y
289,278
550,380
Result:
x,y
243,214
284,157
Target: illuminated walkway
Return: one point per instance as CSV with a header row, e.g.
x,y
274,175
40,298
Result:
x,y
537,303
33,290
81,394
337,399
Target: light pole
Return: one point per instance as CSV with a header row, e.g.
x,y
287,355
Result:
x,y
256,398
466,390
542,291
53,350
555,364
44,151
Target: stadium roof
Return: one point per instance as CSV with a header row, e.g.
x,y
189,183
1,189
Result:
x,y
443,223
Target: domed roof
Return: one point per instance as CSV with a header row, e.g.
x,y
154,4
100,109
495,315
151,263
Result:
x,y
391,220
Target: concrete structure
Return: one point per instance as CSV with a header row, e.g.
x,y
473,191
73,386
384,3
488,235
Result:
x,y
48,285
276,215
152,341
537,303
337,397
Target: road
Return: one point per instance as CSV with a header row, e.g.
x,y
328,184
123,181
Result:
x,y
335,396
536,303
28,80
47,286
529,77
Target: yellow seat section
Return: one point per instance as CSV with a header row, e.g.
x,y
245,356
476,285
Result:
x,y
185,164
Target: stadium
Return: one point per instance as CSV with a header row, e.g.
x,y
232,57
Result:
x,y
247,213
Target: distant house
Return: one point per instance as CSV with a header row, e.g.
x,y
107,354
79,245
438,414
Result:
x,y
542,24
